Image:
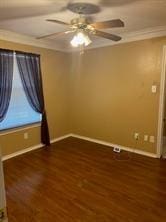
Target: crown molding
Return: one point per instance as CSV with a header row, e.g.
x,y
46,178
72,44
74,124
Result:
x,y
143,34
126,37
28,40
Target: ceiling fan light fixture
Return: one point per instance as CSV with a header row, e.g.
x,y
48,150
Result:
x,y
80,39
88,41
83,27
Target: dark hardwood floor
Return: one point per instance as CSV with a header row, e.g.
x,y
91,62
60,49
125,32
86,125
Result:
x,y
80,181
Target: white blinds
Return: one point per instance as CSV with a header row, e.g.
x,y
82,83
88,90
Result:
x,y
20,112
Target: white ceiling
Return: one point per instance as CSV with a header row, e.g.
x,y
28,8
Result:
x,y
28,17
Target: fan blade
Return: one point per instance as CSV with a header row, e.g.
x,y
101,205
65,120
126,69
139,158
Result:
x,y
108,24
107,35
55,34
56,21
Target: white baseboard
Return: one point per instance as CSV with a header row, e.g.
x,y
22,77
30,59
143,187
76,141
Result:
x,y
115,145
20,152
61,138
6,157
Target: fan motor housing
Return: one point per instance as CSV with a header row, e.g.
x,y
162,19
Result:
x,y
80,20
82,23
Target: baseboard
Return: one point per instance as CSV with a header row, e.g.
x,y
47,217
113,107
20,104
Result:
x,y
20,152
38,146
61,138
6,157
115,145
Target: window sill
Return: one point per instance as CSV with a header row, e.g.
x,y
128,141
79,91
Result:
x,y
21,128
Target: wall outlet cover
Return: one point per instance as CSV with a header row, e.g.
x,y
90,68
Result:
x,y
2,214
117,150
136,136
151,139
26,136
145,137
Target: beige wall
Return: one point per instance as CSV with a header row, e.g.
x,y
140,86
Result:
x,y
111,92
55,69
104,94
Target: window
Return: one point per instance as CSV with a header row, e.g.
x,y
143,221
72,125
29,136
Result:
x,y
20,112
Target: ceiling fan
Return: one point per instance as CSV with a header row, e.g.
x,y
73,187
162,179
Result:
x,y
83,28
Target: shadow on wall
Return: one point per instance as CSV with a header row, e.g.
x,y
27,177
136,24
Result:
x,y
164,132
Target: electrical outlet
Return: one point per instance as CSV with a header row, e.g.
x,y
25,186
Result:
x,y
2,214
146,137
136,136
117,150
26,136
151,139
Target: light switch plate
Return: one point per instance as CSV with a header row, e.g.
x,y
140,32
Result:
x,y
154,88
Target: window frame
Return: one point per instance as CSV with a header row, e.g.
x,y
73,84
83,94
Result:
x,y
26,125
20,128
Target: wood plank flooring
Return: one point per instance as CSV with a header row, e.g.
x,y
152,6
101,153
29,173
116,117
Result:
x,y
80,181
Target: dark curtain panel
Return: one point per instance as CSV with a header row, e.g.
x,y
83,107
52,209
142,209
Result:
x,y
30,72
6,77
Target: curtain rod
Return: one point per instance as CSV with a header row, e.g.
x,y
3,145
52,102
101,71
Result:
x,y
19,52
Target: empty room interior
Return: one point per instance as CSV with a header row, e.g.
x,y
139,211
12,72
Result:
x,y
82,111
